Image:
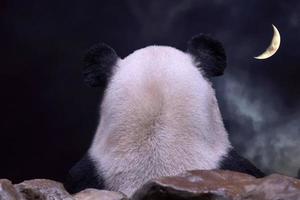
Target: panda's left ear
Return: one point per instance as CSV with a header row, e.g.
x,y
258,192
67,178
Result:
x,y
99,62
208,54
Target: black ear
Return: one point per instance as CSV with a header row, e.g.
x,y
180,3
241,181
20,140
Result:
x,y
208,53
98,65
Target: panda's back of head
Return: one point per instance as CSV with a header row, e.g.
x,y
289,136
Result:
x,y
153,90
157,75
159,109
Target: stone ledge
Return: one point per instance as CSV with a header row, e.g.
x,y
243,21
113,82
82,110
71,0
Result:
x,y
197,184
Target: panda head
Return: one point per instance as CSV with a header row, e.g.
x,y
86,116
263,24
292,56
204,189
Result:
x,y
158,90
158,108
208,56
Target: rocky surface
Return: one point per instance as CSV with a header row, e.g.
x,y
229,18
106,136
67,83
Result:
x,y
7,190
42,189
93,194
198,184
220,185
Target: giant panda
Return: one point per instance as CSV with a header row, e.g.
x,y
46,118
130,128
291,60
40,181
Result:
x,y
159,116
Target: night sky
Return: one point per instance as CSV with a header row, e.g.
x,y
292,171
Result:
x,y
48,115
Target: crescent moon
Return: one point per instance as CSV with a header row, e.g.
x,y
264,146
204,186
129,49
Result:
x,y
273,47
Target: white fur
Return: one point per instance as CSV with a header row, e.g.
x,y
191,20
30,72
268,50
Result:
x,y
159,117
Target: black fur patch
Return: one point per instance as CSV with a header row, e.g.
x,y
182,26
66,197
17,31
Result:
x,y
98,65
83,175
234,162
209,54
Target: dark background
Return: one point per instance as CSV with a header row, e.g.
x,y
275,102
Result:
x,y
48,115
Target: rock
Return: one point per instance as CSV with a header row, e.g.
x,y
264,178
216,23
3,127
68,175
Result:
x,y
275,187
220,185
7,191
94,194
197,184
42,189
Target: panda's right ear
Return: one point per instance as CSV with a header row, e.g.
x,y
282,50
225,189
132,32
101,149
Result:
x,y
209,55
98,65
